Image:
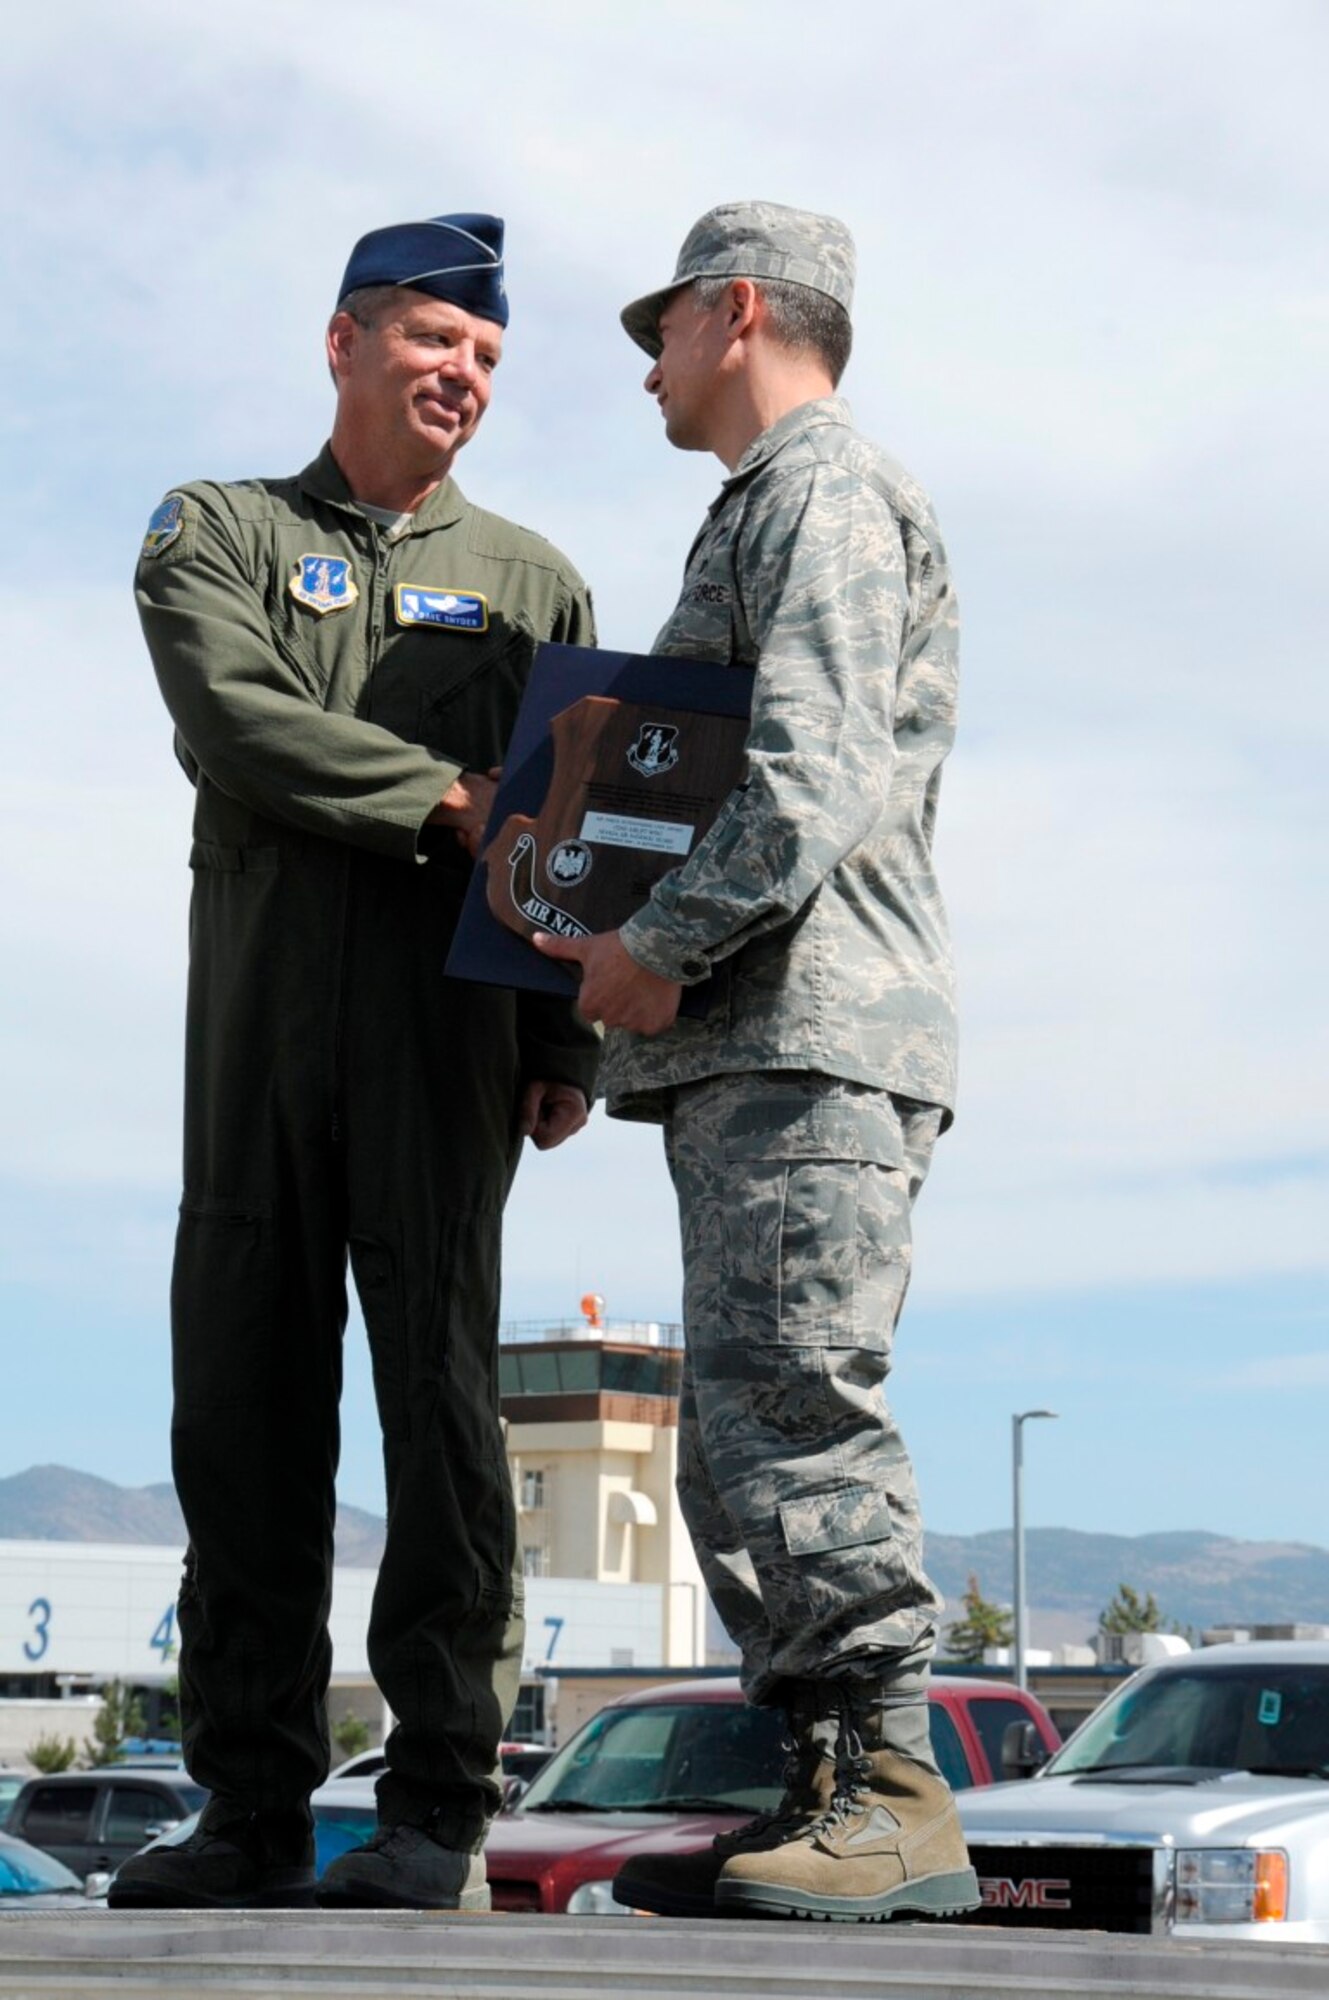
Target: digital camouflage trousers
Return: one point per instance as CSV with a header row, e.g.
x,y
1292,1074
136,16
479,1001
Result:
x,y
795,1192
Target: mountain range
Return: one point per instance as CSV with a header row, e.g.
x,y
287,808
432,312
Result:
x,y
50,1503
1199,1579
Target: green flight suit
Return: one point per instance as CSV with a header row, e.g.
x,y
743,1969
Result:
x,y
342,1094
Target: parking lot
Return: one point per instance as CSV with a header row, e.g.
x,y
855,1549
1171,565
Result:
x,y
374,1956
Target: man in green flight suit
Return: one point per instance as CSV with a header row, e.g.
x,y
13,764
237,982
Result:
x,y
342,653
801,1112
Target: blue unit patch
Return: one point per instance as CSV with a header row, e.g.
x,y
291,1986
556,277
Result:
x,y
424,604
164,525
324,583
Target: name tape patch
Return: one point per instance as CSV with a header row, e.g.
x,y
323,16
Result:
x,y
457,610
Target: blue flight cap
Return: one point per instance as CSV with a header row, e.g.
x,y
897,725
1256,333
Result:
x,y
453,257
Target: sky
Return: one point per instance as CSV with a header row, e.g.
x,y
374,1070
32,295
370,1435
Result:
x,y
1092,318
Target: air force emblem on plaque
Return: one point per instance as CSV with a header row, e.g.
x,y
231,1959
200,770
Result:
x,y
324,583
529,905
569,863
655,750
458,610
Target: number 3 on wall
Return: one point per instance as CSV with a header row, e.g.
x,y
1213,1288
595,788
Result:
x,y
40,1612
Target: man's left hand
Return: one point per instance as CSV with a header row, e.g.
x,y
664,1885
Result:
x,y
551,1113
615,990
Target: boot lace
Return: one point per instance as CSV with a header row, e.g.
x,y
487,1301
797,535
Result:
x,y
853,1775
785,1818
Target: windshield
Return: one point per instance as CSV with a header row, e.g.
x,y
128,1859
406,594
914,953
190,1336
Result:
x,y
26,1871
699,1756
1202,1717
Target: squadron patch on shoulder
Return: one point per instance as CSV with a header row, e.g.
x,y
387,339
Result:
x,y
458,610
164,525
324,583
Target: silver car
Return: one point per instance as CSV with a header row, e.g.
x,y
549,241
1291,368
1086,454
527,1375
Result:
x,y
1193,1803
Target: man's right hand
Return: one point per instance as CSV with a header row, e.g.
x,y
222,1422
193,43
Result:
x,y
466,806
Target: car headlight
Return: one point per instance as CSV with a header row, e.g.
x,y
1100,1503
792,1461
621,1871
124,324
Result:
x,y
1231,1885
595,1899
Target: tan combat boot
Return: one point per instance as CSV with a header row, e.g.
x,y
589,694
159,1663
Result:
x,y
890,1844
683,1885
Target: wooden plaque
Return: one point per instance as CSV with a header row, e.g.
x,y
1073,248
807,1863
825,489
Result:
x,y
635,786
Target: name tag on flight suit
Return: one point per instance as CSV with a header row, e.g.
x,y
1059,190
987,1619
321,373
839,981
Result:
x,y
458,610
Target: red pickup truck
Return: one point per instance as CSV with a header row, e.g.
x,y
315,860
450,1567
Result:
x,y
665,1770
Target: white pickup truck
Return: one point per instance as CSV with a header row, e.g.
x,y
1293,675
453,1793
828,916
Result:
x,y
1194,1803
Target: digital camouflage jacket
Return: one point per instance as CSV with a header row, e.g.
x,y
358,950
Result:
x,y
812,900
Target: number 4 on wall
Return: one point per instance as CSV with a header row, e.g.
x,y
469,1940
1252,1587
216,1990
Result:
x,y
163,1639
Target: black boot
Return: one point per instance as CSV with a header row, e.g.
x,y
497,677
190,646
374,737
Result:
x,y
683,1885
236,1859
406,1866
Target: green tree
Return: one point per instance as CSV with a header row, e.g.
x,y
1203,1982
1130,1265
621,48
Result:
x,y
983,1625
350,1735
120,1715
52,1753
1129,1612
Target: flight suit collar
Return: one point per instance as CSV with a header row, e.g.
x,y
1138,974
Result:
x,y
323,479
807,417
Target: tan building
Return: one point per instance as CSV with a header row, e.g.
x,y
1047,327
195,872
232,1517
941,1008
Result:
x,y
591,1410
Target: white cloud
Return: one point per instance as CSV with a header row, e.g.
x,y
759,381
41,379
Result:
x,y
1092,313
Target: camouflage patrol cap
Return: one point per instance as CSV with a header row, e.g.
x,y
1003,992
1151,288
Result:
x,y
753,239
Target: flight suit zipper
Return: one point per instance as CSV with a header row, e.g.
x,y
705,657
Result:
x,y
373,647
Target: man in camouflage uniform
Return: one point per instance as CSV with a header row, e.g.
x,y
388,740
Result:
x,y
342,653
801,1112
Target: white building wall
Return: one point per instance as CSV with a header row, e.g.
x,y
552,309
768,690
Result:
x,y
82,1608
574,1623
102,1611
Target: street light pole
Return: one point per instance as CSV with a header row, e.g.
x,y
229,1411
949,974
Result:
x,y
1017,1464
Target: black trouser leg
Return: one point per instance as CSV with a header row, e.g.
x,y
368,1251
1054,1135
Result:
x,y
445,1631
258,1307
432,1087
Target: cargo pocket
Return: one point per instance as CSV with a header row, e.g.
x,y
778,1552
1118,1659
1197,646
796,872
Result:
x,y
848,1518
223,1300
809,1214
378,1285
842,1567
